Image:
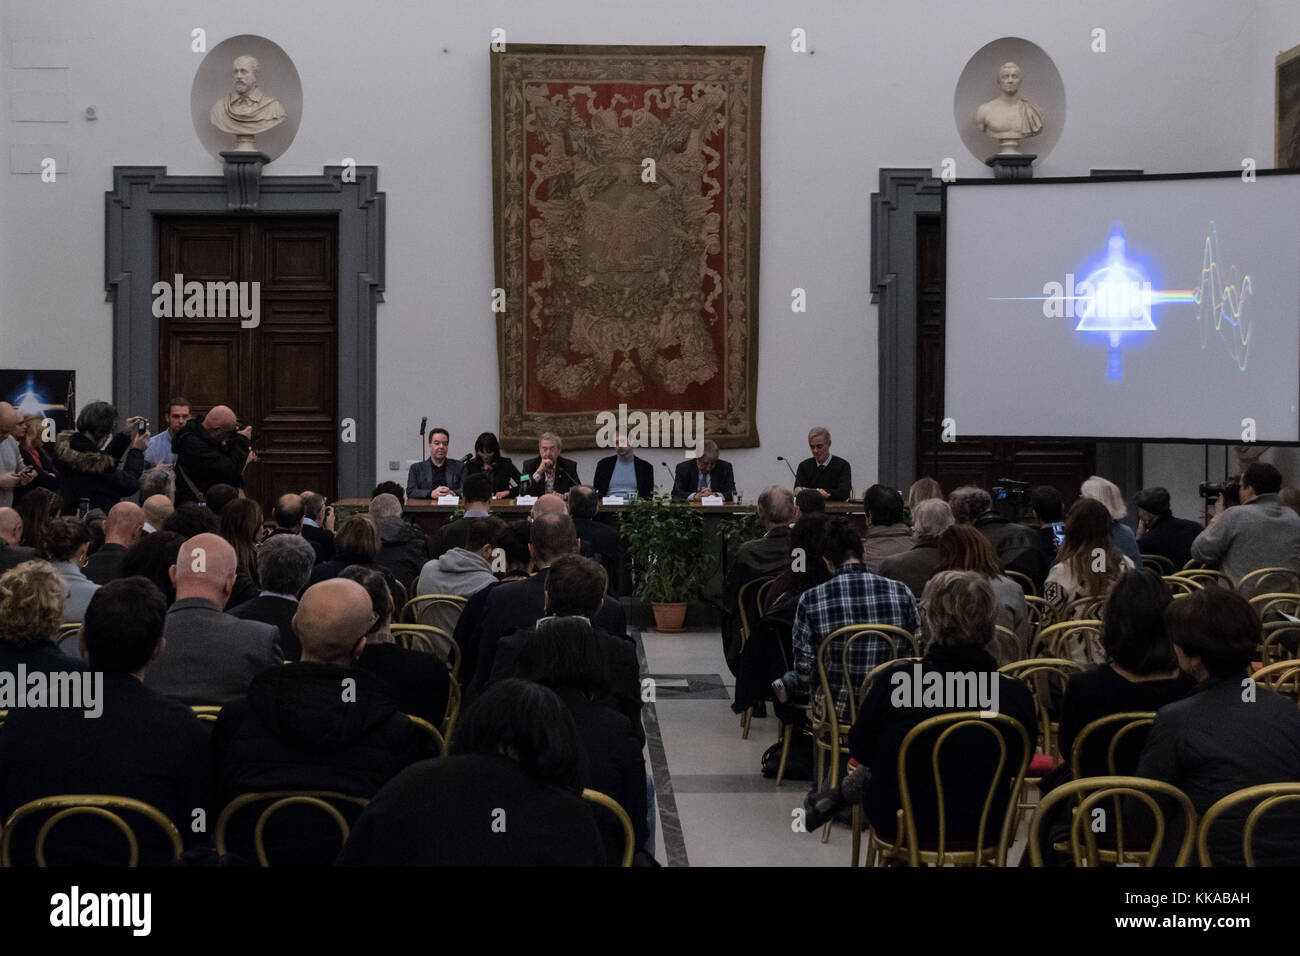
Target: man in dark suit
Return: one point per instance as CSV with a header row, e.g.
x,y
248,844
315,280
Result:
x,y
122,529
211,656
1159,532
318,525
549,471
574,587
437,475
519,604
706,475
623,473
594,535
11,532
824,472
284,563
476,497
139,745
762,557
211,452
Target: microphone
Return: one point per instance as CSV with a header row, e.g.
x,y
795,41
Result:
x,y
671,475
572,475
424,423
787,464
467,458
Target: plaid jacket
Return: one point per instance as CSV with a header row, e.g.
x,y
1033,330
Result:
x,y
853,596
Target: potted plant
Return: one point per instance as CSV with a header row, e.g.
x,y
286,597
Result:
x,y
663,540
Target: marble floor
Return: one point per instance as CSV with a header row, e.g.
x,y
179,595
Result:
x,y
715,808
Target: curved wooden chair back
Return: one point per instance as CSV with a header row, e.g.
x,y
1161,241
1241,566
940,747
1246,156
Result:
x,y
1025,581
1091,792
596,798
1265,797
1158,563
1078,641
1046,678
1269,580
1281,677
325,801
429,639
94,805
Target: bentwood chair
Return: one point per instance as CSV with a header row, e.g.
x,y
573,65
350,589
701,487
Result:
x,y
1180,586
67,640
1206,577
1046,678
454,698
1025,581
432,731
206,712
1265,797
416,609
429,639
750,606
1280,641
1079,641
1039,615
596,798
1158,563
102,806
1276,605
1265,580
1123,735
981,840
1281,677
1090,816
327,802
1084,609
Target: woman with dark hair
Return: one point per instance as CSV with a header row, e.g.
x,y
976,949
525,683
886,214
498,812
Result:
x,y
89,459
1088,563
806,568
419,682
33,453
508,797
357,542
37,510
241,525
1229,733
66,543
489,461
152,557
562,654
963,548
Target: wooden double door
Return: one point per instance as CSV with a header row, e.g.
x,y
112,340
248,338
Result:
x,y
280,376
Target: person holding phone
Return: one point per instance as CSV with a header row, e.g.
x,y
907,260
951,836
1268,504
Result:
x,y
37,461
89,458
13,473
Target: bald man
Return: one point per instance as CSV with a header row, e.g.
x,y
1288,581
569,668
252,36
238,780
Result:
x,y
122,529
11,532
13,473
211,656
211,452
157,509
321,723
549,504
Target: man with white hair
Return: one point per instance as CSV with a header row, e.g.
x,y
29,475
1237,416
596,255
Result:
x,y
824,472
764,556
402,546
549,471
211,656
930,518
284,565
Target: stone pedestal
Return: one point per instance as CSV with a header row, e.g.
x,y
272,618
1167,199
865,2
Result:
x,y
243,173
1005,166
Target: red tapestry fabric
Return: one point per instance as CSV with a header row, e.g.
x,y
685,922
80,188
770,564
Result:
x,y
626,198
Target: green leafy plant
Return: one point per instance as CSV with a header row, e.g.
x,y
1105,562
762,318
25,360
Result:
x,y
664,540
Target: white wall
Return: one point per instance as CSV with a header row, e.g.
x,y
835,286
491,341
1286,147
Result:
x,y
1184,85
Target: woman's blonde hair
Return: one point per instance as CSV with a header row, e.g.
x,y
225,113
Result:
x,y
923,489
31,603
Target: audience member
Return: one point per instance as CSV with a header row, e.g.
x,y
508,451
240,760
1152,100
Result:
x,y
31,610
476,496
804,570
37,510
390,488
549,472
1160,533
1229,733
211,656
93,475
321,723
12,553
1046,505
1291,498
923,489
887,533
513,543
211,452
852,596
219,497
356,543
138,745
122,530
962,548
241,525
1108,493
157,481
549,504
152,557
13,473
1088,566
318,524
624,473
489,461
65,546
594,536
931,517
960,613
762,557
157,509
436,475
192,519
461,571
94,521
284,564
1261,533
402,548
706,476
418,683
809,502
825,473
1016,546
564,653
517,760
35,456
160,450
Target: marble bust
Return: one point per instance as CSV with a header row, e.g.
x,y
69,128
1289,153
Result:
x,y
1009,118
247,110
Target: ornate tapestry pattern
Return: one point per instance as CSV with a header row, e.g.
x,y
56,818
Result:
x,y
626,185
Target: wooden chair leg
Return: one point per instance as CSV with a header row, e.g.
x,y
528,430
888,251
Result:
x,y
785,752
745,719
857,833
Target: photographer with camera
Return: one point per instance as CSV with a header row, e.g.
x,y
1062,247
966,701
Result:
x,y
211,452
1159,532
1260,533
88,458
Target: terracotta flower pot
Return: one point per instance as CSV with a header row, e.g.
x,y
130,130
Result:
x,y
669,618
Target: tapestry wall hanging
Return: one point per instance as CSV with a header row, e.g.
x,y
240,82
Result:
x,y
626,206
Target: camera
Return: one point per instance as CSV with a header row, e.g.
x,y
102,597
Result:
x,y
1230,489
142,426
1010,497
